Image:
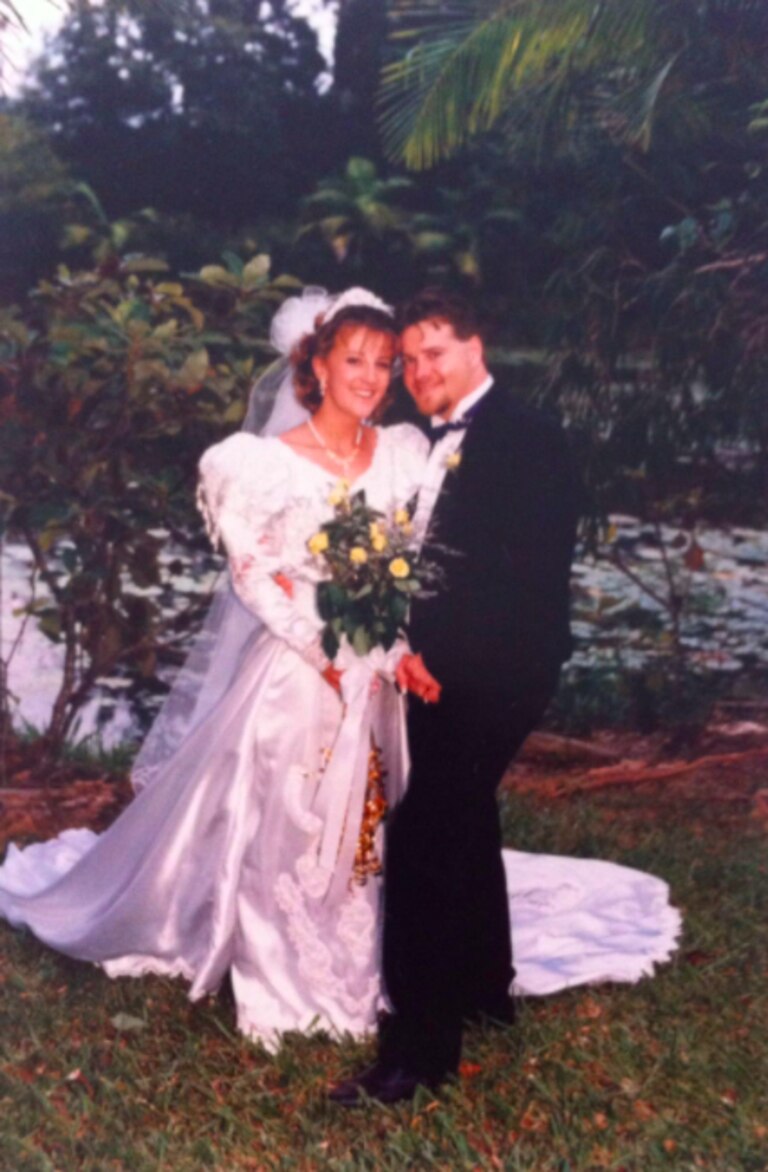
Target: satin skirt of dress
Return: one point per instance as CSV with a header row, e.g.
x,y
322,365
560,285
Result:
x,y
213,868
210,868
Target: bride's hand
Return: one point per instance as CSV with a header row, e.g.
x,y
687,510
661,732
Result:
x,y
332,676
413,675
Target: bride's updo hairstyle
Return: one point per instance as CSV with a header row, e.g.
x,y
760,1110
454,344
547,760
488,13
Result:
x,y
319,344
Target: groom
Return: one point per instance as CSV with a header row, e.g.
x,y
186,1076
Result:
x,y
499,501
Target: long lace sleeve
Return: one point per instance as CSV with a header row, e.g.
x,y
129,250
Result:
x,y
241,494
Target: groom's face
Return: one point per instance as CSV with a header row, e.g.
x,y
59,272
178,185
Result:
x,y
439,369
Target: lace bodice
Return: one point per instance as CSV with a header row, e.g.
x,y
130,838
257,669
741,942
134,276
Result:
x,y
262,501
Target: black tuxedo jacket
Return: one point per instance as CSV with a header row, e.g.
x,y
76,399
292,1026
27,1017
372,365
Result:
x,y
502,535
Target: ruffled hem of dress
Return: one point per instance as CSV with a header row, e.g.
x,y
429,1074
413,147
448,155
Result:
x,y
272,1038
628,972
146,966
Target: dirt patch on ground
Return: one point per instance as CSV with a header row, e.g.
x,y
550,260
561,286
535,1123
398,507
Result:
x,y
38,802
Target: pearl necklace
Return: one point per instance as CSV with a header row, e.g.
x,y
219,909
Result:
x,y
343,462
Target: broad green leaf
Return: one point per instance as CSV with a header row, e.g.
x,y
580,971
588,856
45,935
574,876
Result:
x,y
144,264
167,329
218,275
50,625
75,234
233,262
234,413
256,271
360,169
195,369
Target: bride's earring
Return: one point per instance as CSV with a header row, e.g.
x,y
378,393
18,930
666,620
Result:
x,y
322,382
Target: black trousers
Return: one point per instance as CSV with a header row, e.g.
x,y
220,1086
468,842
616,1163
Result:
x,y
447,944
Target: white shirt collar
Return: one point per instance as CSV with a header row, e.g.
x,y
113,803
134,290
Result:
x,y
464,404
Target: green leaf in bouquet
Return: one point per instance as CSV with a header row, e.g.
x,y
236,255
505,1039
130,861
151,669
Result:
x,y
337,597
361,641
398,608
363,592
330,643
324,608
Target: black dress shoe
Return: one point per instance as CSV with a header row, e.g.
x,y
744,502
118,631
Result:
x,y
350,1090
380,1083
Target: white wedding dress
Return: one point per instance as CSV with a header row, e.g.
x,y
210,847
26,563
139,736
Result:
x,y
245,852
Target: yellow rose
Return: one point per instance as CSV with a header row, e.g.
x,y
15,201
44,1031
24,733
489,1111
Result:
x,y
318,543
399,568
402,518
338,493
453,461
379,541
357,555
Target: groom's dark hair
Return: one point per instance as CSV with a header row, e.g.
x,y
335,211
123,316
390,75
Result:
x,y
436,304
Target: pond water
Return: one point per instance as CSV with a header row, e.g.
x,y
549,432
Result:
x,y
621,613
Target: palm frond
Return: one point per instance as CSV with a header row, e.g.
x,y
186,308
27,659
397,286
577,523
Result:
x,y
430,87
642,127
458,76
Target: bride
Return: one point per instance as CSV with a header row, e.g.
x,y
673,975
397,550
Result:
x,y
253,845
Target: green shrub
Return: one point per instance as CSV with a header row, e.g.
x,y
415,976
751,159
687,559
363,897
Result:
x,y
112,383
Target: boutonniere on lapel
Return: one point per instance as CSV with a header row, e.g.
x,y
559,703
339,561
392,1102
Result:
x,y
452,462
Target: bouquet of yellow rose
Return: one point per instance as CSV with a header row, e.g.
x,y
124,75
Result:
x,y
372,573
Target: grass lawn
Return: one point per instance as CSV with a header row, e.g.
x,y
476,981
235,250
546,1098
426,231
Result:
x,y
669,1074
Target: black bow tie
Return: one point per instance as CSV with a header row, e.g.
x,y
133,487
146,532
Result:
x,y
442,429
437,433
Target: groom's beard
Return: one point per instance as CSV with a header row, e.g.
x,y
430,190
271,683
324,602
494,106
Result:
x,y
431,400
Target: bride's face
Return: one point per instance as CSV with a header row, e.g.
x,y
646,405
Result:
x,y
357,370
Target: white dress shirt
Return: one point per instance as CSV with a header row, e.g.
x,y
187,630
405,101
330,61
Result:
x,y
443,459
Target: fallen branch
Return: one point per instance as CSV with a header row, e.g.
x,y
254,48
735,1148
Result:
x,y
554,743
736,262
639,772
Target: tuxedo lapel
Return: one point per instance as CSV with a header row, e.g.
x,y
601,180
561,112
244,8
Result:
x,y
462,488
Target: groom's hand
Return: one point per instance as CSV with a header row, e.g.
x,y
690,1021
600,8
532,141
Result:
x,y
413,675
